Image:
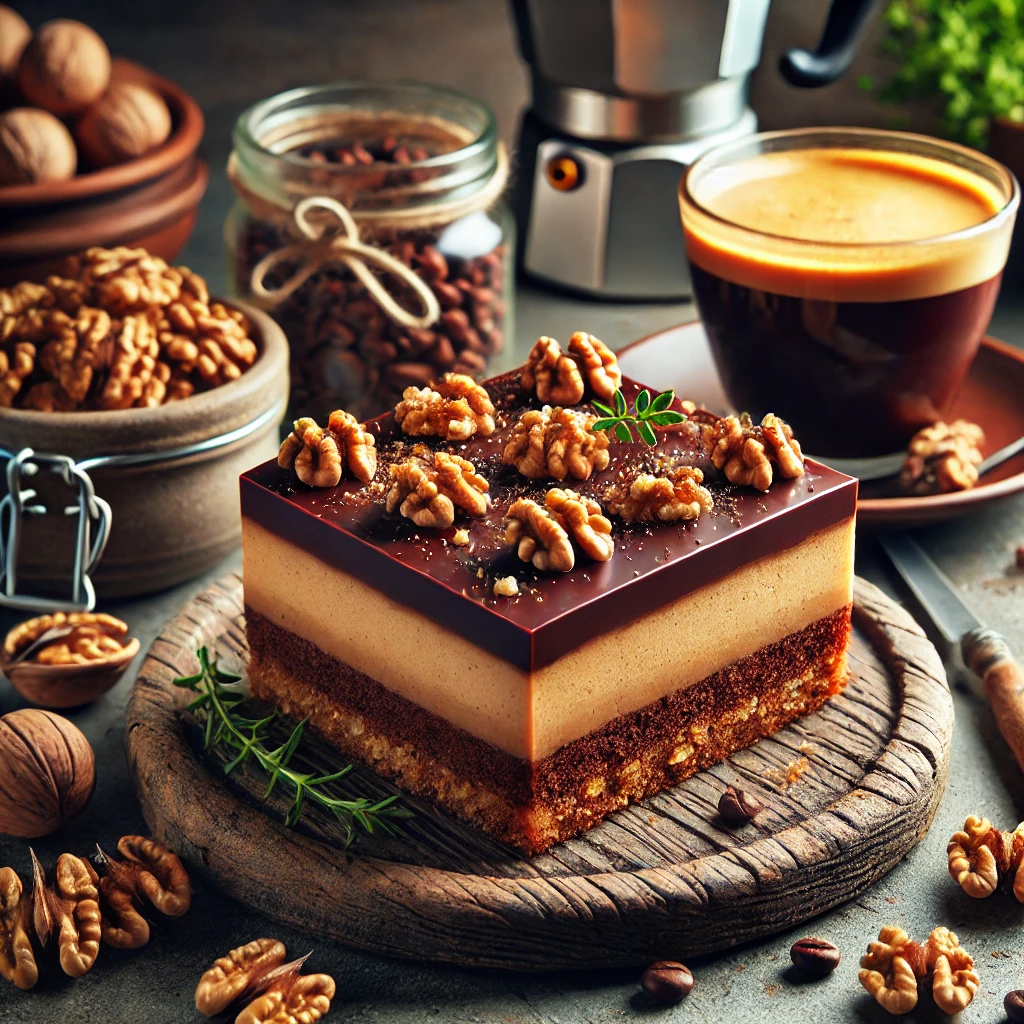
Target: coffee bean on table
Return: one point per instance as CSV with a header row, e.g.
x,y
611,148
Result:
x,y
1013,1004
737,807
815,957
667,981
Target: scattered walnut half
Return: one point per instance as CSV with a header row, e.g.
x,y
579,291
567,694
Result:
x,y
556,443
17,961
670,496
552,375
298,1000
749,453
455,408
238,973
943,457
598,364
150,872
69,908
890,969
954,980
543,534
428,491
981,856
320,456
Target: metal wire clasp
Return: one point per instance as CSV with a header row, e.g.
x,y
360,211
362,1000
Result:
x,y
90,509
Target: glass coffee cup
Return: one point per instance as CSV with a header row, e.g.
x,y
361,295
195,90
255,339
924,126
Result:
x,y
845,278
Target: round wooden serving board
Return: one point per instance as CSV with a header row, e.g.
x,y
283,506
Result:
x,y
662,879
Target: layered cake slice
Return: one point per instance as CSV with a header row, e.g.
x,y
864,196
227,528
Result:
x,y
491,599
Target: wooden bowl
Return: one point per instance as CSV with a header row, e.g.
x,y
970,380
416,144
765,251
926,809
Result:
x,y
172,520
68,686
150,202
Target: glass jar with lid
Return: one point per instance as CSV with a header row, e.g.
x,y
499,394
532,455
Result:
x,y
371,222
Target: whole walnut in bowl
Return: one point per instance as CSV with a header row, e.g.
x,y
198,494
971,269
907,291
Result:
x,y
128,121
34,147
14,37
64,67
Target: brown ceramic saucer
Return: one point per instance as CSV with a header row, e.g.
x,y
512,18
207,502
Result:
x,y
992,395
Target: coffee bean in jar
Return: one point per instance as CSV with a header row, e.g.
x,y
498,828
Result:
x,y
333,176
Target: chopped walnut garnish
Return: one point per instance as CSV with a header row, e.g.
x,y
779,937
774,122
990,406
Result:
x,y
954,980
598,364
460,538
319,456
556,443
429,492
678,494
890,969
506,586
981,856
943,457
455,408
552,375
543,534
749,453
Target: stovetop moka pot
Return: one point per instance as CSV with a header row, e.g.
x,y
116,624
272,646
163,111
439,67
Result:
x,y
626,94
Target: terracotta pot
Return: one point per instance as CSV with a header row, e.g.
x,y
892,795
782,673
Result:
x,y
150,202
172,520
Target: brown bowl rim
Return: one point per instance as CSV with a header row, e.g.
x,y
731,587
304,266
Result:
x,y
182,143
203,406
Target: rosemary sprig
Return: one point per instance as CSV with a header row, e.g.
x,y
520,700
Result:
x,y
647,413
217,707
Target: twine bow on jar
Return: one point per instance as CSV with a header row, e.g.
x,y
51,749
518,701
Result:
x,y
321,245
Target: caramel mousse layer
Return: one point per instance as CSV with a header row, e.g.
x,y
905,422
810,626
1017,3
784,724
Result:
x,y
531,713
847,224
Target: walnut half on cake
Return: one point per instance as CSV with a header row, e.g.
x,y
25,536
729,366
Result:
x,y
534,661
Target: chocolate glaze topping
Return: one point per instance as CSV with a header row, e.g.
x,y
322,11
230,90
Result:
x,y
347,527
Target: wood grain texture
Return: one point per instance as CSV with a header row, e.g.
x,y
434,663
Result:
x,y
661,879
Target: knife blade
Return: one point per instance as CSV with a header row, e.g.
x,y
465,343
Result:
x,y
985,652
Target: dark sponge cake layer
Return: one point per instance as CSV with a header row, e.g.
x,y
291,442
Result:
x,y
532,805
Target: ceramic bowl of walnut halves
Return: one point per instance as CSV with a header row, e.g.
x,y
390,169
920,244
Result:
x,y
122,355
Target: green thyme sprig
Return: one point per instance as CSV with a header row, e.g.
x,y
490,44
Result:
x,y
647,413
217,707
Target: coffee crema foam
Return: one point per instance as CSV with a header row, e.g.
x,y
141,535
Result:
x,y
846,224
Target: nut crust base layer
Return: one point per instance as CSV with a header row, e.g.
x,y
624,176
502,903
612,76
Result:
x,y
533,805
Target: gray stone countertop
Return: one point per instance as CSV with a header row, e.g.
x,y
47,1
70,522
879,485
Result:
x,y
228,54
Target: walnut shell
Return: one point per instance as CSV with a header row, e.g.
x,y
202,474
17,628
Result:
x,y
65,67
126,122
14,37
34,146
47,772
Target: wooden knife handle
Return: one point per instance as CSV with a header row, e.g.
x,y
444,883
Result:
x,y
987,655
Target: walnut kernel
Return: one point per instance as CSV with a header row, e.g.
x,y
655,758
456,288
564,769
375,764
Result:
x,y
749,453
455,408
313,453
543,535
552,375
676,494
232,976
506,586
90,637
890,970
17,960
954,980
68,908
943,458
556,442
981,857
301,1000
598,364
429,491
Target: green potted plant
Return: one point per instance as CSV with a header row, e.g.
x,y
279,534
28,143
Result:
x,y
965,58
